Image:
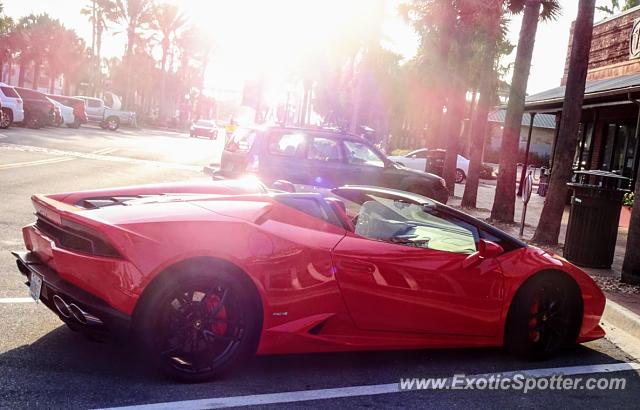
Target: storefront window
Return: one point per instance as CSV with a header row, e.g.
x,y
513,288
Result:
x,y
619,149
582,158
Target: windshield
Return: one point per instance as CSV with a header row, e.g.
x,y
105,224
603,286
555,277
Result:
x,y
204,123
403,223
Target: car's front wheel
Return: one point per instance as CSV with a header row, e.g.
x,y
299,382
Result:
x,y
7,118
195,325
545,316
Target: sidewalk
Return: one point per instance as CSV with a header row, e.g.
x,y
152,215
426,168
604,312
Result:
x,y
626,296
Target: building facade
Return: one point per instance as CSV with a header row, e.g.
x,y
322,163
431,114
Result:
x,y
608,134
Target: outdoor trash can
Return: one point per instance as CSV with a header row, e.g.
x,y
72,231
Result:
x,y
593,219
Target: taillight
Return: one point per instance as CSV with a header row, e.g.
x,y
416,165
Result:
x,y
86,239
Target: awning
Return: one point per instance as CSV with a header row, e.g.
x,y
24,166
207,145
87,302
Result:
x,y
610,91
540,120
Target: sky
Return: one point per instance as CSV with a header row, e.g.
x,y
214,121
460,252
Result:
x,y
228,22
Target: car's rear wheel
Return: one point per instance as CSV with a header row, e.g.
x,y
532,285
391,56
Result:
x,y
460,176
7,118
76,123
196,325
112,123
545,316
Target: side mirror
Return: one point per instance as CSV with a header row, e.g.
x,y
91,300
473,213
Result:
x,y
282,185
486,250
489,249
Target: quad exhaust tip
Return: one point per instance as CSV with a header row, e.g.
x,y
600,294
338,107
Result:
x,y
73,311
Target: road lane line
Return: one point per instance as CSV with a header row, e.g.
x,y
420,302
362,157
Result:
x,y
16,300
370,390
32,163
103,151
92,156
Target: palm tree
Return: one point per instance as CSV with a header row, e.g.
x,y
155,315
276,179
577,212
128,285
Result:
x,y
168,20
100,13
7,45
551,216
491,33
505,197
133,15
615,6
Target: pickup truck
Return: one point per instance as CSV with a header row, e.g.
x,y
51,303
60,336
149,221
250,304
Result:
x,y
109,117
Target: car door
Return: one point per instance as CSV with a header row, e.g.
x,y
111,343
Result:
x,y
395,277
363,165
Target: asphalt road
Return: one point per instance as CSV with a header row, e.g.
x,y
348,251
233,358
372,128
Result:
x,y
45,365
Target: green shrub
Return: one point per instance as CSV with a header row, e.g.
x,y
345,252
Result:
x,y
628,199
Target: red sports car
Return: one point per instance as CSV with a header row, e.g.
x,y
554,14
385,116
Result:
x,y
205,274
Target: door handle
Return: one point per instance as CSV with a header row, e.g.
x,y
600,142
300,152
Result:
x,y
357,266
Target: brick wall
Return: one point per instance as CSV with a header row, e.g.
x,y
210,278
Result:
x,y
609,56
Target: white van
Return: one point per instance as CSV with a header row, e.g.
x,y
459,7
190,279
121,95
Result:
x,y
12,107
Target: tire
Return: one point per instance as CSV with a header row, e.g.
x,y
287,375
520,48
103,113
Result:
x,y
460,176
112,123
212,312
7,118
33,121
545,316
75,124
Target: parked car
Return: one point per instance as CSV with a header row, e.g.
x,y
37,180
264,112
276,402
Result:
x,y
320,158
105,116
419,158
204,128
201,281
78,106
12,106
39,111
66,114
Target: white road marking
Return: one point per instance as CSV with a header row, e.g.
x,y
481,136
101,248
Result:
x,y
93,156
16,300
356,391
32,163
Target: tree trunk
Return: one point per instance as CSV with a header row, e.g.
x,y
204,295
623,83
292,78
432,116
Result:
x,y
504,201
631,264
128,97
99,32
21,74
455,114
480,122
548,228
163,79
52,82
36,74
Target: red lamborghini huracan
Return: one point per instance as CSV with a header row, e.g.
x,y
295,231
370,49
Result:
x,y
204,274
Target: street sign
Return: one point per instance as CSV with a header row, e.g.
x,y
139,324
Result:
x,y
526,196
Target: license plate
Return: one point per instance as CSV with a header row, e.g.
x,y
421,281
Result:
x,y
35,286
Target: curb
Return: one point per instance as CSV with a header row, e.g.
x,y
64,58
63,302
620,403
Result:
x,y
622,318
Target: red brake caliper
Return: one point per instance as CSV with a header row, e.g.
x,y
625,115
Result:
x,y
534,335
219,327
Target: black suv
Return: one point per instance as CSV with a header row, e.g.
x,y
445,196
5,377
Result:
x,y
320,158
39,111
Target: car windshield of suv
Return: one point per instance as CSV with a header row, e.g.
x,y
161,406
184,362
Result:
x,y
204,123
358,153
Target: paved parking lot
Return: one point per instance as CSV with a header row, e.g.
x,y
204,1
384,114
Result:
x,y
45,365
